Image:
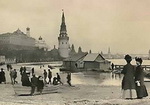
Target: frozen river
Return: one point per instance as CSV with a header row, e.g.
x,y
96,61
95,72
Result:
x,y
86,77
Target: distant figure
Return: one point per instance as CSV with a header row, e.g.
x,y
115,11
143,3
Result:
x,y
0,77
40,66
21,70
34,82
32,71
2,74
15,76
112,66
25,79
128,83
139,80
58,78
69,79
112,69
8,67
49,76
11,76
40,84
55,82
45,76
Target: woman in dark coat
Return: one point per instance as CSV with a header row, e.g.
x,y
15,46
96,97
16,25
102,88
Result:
x,y
3,78
40,84
25,79
139,80
128,83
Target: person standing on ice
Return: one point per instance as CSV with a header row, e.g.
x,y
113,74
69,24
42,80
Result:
x,y
15,76
139,80
59,79
49,76
32,71
128,83
34,81
69,79
3,78
45,76
40,84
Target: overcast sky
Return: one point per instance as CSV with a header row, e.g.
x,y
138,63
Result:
x,y
122,25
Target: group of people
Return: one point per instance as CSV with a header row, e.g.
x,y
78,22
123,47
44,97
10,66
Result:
x,y
49,75
57,79
40,81
37,82
13,75
133,81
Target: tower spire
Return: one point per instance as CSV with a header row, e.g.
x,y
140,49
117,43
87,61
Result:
x,y
63,30
63,45
63,17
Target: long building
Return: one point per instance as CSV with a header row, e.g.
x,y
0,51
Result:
x,y
17,40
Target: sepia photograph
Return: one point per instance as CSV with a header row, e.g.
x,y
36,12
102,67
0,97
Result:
x,y
75,52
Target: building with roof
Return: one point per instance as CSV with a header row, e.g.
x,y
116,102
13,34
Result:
x,y
95,61
17,40
41,44
74,62
86,61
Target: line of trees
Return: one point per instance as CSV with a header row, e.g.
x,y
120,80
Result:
x,y
36,55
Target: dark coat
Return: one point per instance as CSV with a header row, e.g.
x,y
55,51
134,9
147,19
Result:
x,y
128,79
25,80
40,85
34,81
58,77
15,75
3,78
49,74
68,77
139,76
45,74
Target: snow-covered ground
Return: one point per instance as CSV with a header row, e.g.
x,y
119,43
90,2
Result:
x,y
84,92
78,95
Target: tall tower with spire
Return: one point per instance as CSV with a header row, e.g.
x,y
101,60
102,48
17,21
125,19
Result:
x,y
63,39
